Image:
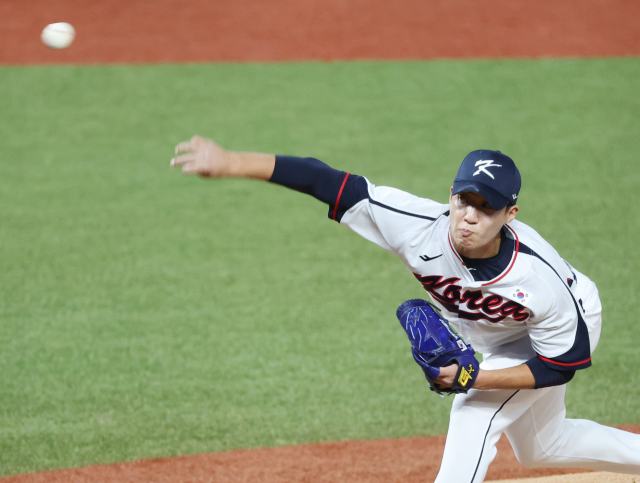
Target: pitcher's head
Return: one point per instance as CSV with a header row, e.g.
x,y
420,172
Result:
x,y
483,199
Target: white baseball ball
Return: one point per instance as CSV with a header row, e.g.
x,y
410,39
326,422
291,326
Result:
x,y
58,35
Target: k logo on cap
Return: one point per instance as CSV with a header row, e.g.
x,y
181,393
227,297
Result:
x,y
484,165
491,174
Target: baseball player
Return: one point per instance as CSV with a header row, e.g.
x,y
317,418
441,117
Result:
x,y
507,292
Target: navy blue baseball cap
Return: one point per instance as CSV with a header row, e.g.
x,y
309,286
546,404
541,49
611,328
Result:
x,y
492,175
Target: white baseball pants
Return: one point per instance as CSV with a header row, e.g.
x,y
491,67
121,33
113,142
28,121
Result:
x,y
534,421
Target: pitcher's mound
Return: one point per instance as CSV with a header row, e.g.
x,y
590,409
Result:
x,y
580,478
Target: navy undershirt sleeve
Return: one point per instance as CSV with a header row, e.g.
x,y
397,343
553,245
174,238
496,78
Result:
x,y
315,178
545,376
308,175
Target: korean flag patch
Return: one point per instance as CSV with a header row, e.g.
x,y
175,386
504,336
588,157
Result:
x,y
521,296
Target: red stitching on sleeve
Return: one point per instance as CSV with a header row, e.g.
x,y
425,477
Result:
x,y
335,207
563,363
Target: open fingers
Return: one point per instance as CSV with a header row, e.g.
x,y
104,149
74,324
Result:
x,y
183,159
183,147
191,145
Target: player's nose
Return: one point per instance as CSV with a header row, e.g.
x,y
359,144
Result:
x,y
471,215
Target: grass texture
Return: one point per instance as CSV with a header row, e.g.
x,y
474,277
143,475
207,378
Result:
x,y
145,314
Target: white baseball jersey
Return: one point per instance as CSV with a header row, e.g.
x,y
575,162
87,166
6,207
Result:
x,y
536,296
535,304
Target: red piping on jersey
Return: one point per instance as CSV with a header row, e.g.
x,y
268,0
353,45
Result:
x,y
335,207
515,255
453,249
564,363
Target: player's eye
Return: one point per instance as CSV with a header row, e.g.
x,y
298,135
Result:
x,y
487,210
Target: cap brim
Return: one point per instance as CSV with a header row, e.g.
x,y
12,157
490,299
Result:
x,y
495,199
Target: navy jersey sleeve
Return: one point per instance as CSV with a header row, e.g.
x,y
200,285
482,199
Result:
x,y
382,215
545,376
558,331
340,190
578,356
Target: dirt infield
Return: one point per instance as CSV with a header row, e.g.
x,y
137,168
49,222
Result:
x,y
411,460
118,31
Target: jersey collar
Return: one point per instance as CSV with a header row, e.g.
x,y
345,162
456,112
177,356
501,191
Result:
x,y
509,267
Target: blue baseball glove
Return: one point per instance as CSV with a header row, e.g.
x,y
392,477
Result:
x,y
434,344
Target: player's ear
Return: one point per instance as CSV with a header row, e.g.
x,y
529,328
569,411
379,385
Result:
x,y
450,193
511,213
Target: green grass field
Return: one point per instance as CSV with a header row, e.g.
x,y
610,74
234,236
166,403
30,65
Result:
x,y
145,314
